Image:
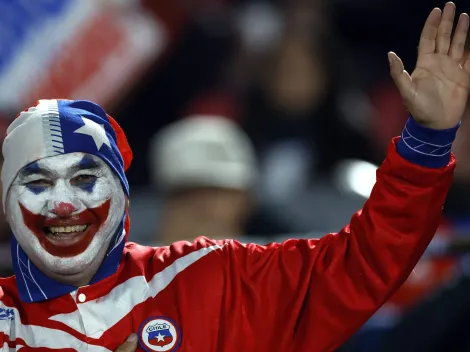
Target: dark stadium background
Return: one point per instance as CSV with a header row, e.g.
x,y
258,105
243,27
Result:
x,y
205,65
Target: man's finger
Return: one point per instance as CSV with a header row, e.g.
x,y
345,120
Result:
x,y
445,29
460,37
427,42
130,345
401,78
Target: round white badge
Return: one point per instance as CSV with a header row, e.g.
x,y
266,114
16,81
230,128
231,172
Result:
x,y
159,334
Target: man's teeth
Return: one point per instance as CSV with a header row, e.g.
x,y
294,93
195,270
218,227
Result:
x,y
65,229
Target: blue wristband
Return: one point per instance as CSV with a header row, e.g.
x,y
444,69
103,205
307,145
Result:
x,y
425,146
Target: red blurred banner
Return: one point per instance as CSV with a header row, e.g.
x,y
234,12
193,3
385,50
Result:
x,y
84,49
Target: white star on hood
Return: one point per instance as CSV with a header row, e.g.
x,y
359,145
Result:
x,y
95,131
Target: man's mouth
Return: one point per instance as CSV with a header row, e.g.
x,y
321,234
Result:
x,y
64,230
66,237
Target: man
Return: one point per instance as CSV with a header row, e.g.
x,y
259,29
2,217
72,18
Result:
x,y
79,286
205,166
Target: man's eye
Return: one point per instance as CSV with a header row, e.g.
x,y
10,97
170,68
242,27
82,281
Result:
x,y
38,184
83,180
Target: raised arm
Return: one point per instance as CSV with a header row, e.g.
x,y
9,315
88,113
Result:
x,y
311,295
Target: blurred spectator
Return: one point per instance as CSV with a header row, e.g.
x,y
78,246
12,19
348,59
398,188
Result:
x,y
305,110
206,168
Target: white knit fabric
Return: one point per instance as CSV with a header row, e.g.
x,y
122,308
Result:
x,y
33,135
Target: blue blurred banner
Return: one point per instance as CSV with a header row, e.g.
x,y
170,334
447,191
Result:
x,y
87,49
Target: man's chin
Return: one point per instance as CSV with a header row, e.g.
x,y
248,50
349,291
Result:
x,y
71,271
72,266
68,266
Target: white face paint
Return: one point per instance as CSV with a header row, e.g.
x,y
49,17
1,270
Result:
x,y
64,211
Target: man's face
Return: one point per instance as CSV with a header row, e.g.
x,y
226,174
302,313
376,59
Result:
x,y
64,211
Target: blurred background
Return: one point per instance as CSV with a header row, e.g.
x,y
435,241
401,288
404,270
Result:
x,y
251,119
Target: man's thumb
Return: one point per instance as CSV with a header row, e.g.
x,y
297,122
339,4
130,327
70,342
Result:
x,y
130,345
401,78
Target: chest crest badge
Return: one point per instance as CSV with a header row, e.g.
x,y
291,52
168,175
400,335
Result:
x,y
159,334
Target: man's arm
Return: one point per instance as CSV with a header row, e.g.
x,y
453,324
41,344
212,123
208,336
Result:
x,y
311,295
314,294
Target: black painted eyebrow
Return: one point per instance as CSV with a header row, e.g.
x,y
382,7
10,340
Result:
x,y
34,169
87,163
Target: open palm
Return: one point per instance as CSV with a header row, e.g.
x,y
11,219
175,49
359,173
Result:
x,y
436,93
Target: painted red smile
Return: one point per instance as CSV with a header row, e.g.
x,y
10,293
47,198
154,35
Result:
x,y
70,236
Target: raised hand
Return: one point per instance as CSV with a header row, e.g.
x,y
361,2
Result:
x,y
436,93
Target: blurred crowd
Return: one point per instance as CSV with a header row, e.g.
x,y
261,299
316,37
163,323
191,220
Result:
x,y
262,120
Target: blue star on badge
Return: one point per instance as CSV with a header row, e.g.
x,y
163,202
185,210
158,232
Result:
x,y
95,131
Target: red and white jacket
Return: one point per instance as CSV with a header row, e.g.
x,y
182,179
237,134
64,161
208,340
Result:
x,y
301,295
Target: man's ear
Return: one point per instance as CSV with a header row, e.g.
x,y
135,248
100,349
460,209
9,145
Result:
x,y
127,203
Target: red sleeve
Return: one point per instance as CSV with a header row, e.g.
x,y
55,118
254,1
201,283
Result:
x,y
312,295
